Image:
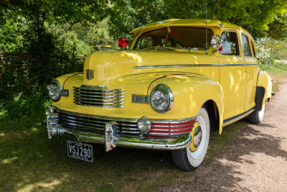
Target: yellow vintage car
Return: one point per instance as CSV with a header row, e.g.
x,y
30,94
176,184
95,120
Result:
x,y
179,80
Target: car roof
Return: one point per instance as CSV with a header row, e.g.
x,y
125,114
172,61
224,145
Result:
x,y
187,22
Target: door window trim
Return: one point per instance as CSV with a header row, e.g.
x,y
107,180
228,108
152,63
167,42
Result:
x,y
239,46
249,42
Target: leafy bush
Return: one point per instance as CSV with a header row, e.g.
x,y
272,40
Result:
x,y
24,106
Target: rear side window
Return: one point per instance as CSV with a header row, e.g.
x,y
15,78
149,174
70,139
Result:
x,y
229,44
246,46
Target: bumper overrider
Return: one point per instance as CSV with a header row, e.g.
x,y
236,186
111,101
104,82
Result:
x,y
134,133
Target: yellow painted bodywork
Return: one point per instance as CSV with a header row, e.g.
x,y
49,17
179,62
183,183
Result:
x,y
264,80
231,88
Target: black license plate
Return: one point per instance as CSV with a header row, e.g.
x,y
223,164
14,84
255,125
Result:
x,y
81,151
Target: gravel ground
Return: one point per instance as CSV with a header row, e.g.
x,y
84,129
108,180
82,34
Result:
x,y
255,161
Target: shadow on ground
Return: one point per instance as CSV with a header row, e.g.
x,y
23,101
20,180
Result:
x,y
31,162
220,174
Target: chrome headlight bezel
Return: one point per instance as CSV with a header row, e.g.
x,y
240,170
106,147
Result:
x,y
55,86
163,91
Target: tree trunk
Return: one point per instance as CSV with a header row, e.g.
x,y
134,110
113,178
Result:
x,y
270,62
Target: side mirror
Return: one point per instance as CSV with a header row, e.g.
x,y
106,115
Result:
x,y
216,42
123,42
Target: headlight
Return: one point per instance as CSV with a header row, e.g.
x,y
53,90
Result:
x,y
55,89
161,98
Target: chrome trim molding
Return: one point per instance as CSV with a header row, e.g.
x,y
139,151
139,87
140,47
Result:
x,y
237,117
111,136
60,89
192,65
173,121
140,98
162,88
130,120
65,92
175,144
99,96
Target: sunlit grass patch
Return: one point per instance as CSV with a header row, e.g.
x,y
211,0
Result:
x,y
9,160
122,169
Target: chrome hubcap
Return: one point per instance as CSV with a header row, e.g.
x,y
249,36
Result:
x,y
197,136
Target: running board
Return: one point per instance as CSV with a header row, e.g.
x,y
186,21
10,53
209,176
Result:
x,y
237,117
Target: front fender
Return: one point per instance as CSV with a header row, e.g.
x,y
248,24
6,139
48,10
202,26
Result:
x,y
264,84
190,93
68,81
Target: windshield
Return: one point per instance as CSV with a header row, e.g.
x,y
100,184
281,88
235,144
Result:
x,y
178,38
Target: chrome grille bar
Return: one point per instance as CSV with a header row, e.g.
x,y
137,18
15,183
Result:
x,y
99,96
96,124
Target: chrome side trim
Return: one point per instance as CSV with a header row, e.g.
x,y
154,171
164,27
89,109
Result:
x,y
164,134
171,126
192,65
171,121
237,117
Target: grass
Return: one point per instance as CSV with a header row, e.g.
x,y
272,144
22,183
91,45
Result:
x,y
277,72
29,161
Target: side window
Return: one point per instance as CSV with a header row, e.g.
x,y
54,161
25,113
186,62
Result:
x,y
246,46
230,44
254,53
144,42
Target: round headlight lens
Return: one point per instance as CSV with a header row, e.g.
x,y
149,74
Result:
x,y
55,89
161,98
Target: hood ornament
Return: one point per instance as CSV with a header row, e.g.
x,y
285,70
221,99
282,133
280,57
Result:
x,y
90,74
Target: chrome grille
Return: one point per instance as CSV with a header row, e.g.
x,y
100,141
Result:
x,y
96,124
99,96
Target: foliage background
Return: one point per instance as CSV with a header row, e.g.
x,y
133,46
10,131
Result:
x,y
61,33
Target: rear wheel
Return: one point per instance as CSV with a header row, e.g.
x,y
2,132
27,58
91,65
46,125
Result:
x,y
191,157
257,116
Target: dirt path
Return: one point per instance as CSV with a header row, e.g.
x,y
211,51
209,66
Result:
x,y
255,161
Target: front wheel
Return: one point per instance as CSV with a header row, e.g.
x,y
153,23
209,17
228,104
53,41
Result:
x,y
191,157
257,116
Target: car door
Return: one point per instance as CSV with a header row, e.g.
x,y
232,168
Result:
x,y
252,69
232,74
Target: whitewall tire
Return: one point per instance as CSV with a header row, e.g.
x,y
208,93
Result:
x,y
257,116
191,157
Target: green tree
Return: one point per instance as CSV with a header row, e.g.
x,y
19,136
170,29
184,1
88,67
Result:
x,y
255,16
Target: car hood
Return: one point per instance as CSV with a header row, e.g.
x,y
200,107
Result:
x,y
105,66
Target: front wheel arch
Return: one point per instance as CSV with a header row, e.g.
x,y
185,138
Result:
x,y
213,114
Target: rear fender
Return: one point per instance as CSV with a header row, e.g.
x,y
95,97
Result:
x,y
263,89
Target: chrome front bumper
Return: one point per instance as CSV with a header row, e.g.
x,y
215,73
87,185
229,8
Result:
x,y
111,139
